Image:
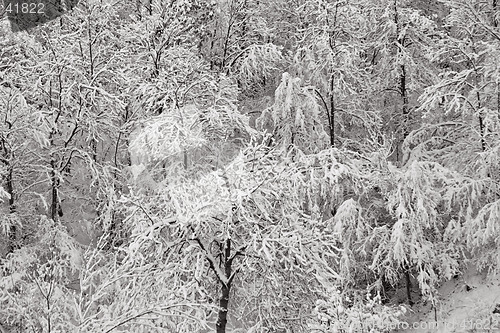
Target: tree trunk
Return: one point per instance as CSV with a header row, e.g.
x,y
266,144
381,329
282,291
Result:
x,y
481,122
9,184
12,210
333,45
223,304
399,44
93,146
481,130
408,286
403,90
55,207
225,291
495,6
332,113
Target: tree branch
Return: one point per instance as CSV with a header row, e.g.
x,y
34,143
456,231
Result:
x,y
212,262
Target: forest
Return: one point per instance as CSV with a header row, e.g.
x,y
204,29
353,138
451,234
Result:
x,y
280,166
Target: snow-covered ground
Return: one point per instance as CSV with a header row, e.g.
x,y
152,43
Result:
x,y
467,304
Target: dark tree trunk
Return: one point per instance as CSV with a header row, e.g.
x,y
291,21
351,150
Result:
x,y
404,97
223,304
9,184
12,210
498,100
225,291
333,45
408,286
495,8
403,90
481,130
332,113
55,208
481,122
405,112
93,146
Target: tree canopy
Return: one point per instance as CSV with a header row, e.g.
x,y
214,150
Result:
x,y
244,165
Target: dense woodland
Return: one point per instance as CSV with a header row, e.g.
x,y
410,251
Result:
x,y
246,165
